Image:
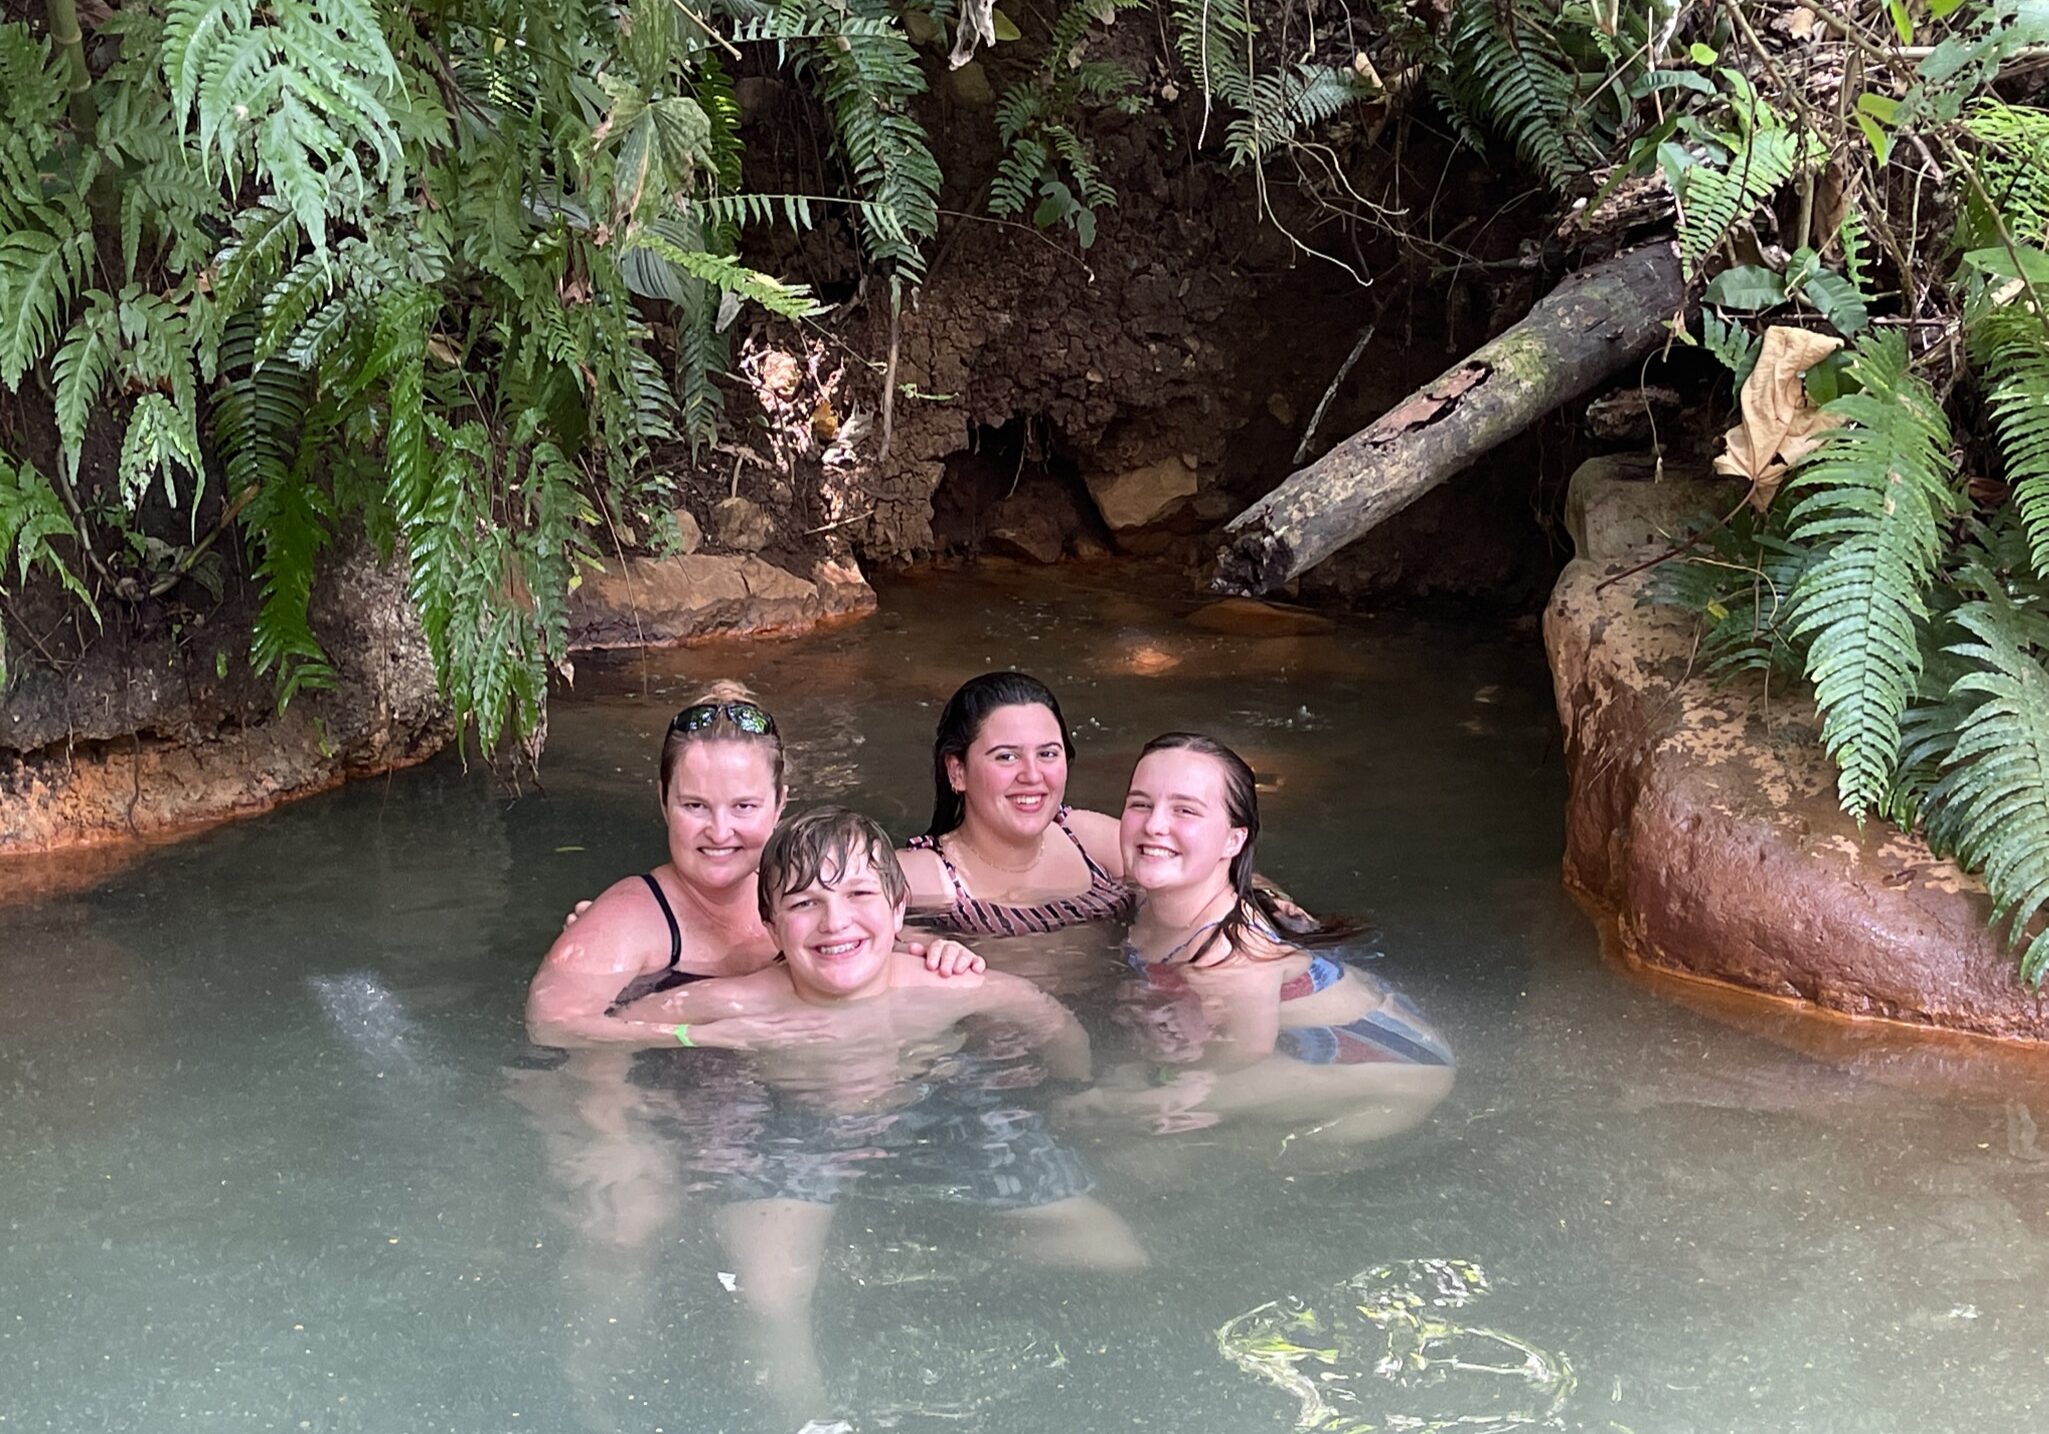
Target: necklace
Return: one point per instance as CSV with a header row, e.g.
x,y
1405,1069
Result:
x,y
982,858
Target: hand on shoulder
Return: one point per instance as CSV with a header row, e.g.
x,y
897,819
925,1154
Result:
x,y
917,970
603,935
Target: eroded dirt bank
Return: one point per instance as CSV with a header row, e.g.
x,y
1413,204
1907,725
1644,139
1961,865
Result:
x,y
1050,403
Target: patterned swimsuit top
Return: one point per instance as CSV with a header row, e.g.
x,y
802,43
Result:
x,y
1107,898
1166,974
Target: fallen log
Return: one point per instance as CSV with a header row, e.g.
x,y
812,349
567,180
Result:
x,y
1596,322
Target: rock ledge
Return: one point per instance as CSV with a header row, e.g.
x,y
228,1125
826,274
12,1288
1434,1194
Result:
x,y
1705,818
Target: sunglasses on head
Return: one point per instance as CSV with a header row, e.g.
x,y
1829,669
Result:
x,y
744,715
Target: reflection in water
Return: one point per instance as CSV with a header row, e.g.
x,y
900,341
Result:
x,y
215,1215
931,1110
613,1181
1393,1348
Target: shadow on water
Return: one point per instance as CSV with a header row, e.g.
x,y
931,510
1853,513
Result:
x,y
280,1157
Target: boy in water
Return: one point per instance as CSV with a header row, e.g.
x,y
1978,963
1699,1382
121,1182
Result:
x,y
885,1091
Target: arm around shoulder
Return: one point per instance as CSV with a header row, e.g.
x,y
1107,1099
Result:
x,y
585,970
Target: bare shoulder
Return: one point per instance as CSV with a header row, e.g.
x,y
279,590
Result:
x,y
1097,832
622,931
1251,962
922,869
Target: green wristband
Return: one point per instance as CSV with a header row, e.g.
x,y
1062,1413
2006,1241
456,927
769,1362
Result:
x,y
683,1036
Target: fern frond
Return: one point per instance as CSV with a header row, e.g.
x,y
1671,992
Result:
x,y
160,440
266,235
1280,106
1214,40
868,81
730,275
1991,808
1739,577
41,272
80,371
1874,495
1509,71
2014,164
285,523
2011,348
30,515
1714,201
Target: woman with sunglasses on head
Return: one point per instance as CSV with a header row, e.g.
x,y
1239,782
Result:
x,y
1004,855
1241,1014
696,916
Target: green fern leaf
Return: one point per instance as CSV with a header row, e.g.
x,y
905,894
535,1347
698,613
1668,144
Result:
x,y
30,515
160,440
1991,807
729,274
284,520
80,372
40,273
1510,70
1714,201
1280,106
1874,494
2011,348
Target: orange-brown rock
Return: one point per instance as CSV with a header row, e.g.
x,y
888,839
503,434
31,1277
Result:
x,y
1705,818
655,602
145,738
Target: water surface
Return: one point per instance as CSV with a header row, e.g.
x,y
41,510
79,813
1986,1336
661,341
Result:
x,y
279,1157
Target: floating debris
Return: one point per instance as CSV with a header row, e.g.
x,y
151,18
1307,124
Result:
x,y
1381,1352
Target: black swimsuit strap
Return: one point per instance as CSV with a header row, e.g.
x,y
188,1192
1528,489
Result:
x,y
675,931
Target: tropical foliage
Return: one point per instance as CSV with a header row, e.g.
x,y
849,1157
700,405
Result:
x,y
1872,173
275,273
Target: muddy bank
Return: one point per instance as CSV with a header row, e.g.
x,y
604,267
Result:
x,y
1031,399
137,735
1704,816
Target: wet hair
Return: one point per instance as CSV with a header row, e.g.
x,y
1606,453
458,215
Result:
x,y
1254,903
817,847
721,728
960,723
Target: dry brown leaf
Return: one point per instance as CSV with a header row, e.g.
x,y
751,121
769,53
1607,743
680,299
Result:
x,y
1780,426
1797,23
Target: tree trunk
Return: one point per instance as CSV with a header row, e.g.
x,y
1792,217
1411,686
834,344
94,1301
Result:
x,y
1598,321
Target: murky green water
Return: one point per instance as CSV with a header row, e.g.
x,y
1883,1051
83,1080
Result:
x,y
275,1157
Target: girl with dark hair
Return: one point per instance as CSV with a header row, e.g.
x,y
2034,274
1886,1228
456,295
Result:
x,y
1004,855
1233,996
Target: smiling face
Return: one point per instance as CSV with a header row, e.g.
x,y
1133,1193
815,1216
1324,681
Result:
x,y
838,932
1014,774
1176,832
721,805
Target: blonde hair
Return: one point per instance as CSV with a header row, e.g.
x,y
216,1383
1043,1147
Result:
x,y
721,729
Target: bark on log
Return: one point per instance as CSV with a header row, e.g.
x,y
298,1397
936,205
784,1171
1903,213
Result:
x,y
1598,321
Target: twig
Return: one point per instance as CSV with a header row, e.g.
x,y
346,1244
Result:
x,y
1677,549
838,523
1793,93
1033,230
896,322
171,579
705,25
1322,404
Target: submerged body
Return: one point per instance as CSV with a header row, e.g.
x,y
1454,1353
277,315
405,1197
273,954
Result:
x,y
1235,1018
886,1087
